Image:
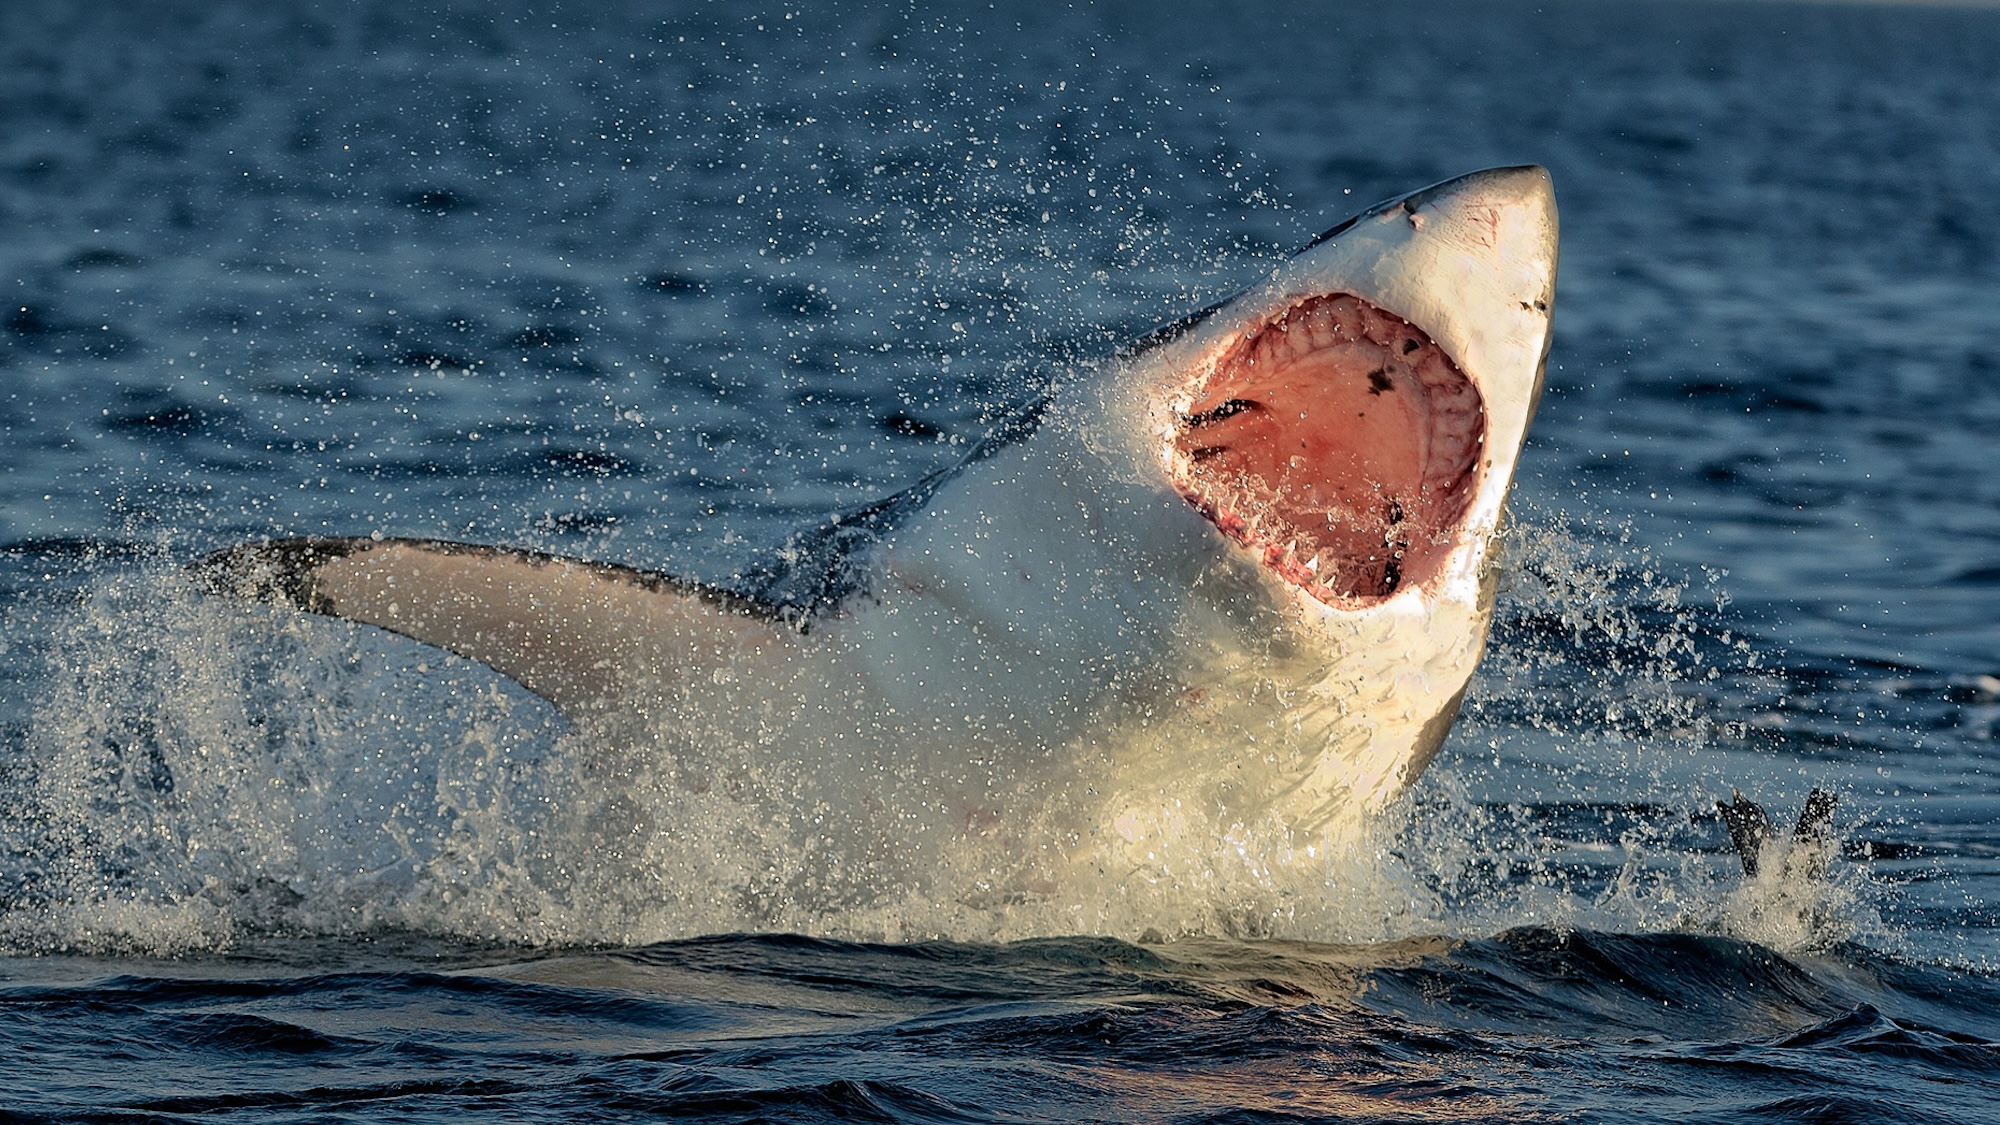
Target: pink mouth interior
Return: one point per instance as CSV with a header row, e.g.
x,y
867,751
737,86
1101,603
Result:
x,y
1340,443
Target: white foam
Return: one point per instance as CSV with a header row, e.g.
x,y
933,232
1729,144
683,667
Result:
x,y
205,769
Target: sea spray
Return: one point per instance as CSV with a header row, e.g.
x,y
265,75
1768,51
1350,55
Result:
x,y
197,771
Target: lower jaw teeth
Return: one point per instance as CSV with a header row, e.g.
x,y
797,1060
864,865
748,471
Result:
x,y
1321,572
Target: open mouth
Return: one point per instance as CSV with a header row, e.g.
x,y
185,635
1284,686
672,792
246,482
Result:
x,y
1338,442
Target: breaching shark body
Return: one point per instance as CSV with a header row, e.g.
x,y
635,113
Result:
x,y
1234,580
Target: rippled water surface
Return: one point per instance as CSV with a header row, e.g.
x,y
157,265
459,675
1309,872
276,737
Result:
x,y
661,283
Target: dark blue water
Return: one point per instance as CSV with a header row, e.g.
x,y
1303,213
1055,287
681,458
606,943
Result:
x,y
658,284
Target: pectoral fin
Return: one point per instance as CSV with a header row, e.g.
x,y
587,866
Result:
x,y
576,633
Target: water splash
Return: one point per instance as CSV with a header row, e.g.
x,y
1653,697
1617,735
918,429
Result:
x,y
1598,735
195,770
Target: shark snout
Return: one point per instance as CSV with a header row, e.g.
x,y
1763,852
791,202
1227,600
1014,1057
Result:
x,y
1473,261
1525,188
1506,216
1355,421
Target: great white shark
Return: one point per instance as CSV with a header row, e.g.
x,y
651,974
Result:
x,y
1241,571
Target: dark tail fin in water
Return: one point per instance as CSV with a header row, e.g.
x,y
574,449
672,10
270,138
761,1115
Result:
x,y
1750,830
1812,836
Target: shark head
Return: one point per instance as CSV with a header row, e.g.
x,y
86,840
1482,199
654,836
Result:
x,y
1355,420
1350,427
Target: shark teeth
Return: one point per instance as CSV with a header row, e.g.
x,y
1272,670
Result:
x,y
1327,389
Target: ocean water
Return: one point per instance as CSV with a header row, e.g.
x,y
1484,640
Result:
x,y
660,283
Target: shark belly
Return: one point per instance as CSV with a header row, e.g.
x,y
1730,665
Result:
x,y
1064,653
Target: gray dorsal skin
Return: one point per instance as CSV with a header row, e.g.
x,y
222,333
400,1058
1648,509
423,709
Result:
x,y
1151,567
819,569
808,578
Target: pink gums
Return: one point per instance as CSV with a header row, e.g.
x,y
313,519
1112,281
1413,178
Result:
x,y
1340,443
